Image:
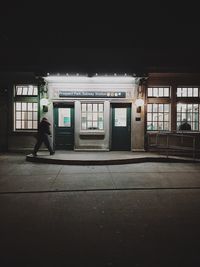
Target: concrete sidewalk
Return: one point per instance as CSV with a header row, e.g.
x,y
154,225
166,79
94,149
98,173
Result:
x,y
141,214
18,175
103,158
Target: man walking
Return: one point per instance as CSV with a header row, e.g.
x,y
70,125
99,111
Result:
x,y
43,137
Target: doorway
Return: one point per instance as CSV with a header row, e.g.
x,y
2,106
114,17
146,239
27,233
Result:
x,y
121,127
64,126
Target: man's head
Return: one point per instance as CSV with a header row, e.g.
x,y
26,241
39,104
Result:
x,y
44,119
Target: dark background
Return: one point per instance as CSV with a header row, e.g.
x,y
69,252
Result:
x,y
65,37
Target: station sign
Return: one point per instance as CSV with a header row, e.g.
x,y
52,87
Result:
x,y
88,94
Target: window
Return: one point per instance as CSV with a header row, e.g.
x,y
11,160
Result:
x,y
26,115
187,92
25,108
190,113
92,116
120,117
158,92
26,90
158,117
64,117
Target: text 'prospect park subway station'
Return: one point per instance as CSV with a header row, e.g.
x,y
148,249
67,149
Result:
x,y
99,112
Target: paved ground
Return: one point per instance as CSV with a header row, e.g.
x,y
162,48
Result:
x,y
144,214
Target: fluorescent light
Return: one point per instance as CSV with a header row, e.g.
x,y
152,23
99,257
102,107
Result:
x,y
97,78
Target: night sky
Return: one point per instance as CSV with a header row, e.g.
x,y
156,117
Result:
x,y
57,37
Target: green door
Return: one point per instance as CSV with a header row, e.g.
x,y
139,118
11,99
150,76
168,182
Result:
x,y
121,127
64,126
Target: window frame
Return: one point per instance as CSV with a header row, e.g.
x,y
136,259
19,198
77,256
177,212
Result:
x,y
188,100
158,112
92,121
159,97
25,99
187,87
159,100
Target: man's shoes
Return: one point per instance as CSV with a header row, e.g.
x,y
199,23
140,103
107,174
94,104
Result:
x,y
52,153
34,154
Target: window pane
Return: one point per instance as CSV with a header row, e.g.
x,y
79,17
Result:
x,y
149,107
83,125
178,116
89,107
89,124
166,107
166,117
190,92
155,91
178,107
166,126
89,116
160,107
184,92
95,107
35,116
149,117
18,125
155,126
150,92
64,117
95,125
83,117
179,90
160,126
100,117
24,106
30,106
120,117
30,115
160,117
150,126
195,92
35,125
35,91
19,90
25,90
30,125
166,92
83,107
189,117
18,106
94,116
100,107
183,107
30,90
18,115
101,125
155,107
24,115
155,117
35,106
160,93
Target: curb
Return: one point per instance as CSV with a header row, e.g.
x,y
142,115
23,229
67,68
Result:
x,y
109,161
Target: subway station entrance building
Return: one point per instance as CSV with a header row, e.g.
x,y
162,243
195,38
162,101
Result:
x,y
98,113
94,113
